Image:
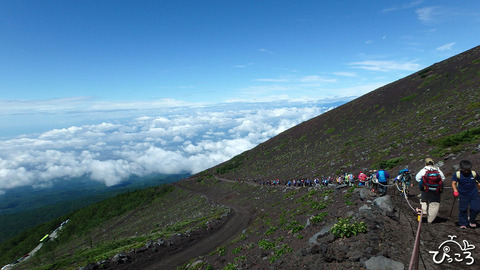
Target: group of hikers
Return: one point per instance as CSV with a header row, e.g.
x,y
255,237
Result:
x,y
465,186
430,180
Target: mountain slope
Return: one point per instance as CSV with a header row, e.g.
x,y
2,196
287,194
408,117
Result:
x,y
398,125
434,112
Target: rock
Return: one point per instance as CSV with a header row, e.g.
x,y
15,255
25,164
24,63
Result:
x,y
382,263
366,193
90,266
313,249
384,203
120,258
325,230
149,244
341,186
126,260
364,208
140,250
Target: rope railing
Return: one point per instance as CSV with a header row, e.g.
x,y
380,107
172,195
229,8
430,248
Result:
x,y
415,253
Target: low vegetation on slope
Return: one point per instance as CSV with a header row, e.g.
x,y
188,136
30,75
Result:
x,y
286,220
121,223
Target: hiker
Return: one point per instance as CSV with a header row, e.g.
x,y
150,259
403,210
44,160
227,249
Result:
x,y
405,177
465,184
351,179
374,181
362,177
430,179
382,177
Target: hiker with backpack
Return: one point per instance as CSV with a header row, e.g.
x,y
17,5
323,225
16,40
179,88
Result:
x,y
465,184
374,181
430,179
382,177
362,177
403,180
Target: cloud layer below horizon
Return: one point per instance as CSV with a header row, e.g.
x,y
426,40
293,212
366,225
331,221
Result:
x,y
184,140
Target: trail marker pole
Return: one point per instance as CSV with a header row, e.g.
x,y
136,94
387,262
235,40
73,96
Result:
x,y
453,205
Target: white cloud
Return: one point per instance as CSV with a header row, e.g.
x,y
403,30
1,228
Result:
x,y
81,104
376,65
271,80
265,51
316,78
242,66
183,140
345,74
403,6
428,14
446,47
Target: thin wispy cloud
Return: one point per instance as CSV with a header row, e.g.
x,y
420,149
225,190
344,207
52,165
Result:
x,y
376,65
402,7
271,80
316,78
263,50
428,14
243,66
81,104
446,47
345,74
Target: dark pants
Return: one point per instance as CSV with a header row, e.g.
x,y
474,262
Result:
x,y
382,188
463,203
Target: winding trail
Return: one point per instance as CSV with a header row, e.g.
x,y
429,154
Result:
x,y
238,220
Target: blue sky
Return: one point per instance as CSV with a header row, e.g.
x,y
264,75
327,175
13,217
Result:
x,y
217,51
70,67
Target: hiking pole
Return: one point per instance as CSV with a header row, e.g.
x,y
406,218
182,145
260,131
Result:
x,y
453,204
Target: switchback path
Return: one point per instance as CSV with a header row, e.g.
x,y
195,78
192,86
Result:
x,y
238,220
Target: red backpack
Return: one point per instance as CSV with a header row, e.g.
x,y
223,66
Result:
x,y
432,181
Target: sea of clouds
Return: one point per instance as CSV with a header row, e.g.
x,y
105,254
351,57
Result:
x,y
176,140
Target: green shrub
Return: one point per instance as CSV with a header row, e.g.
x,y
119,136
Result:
x,y
330,130
230,266
236,250
388,164
318,218
278,252
294,226
345,228
408,98
265,244
222,250
234,163
466,136
271,230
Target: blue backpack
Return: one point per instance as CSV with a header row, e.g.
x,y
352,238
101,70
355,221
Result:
x,y
381,176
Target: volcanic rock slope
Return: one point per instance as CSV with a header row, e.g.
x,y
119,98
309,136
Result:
x,y
434,112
